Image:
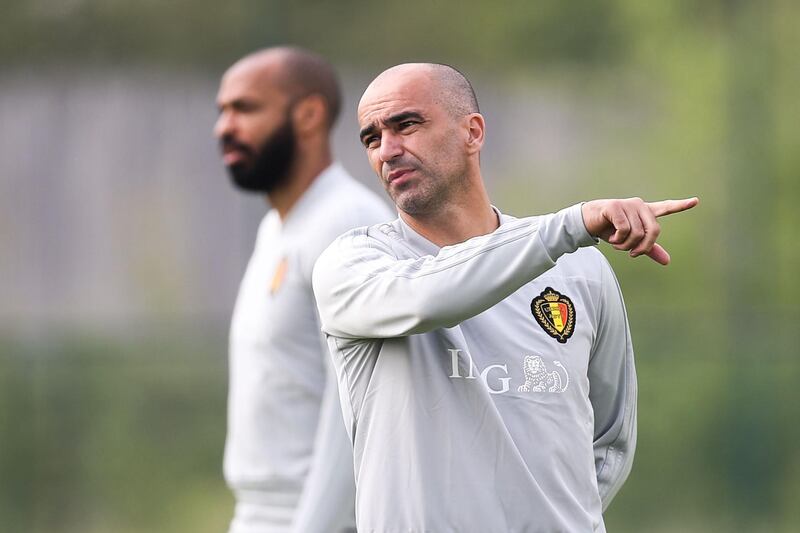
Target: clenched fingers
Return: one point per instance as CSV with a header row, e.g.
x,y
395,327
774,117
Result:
x,y
633,213
651,229
620,223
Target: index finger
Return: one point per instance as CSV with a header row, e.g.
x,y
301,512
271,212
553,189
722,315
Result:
x,y
668,207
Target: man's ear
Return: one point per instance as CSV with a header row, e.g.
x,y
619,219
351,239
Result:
x,y
476,129
309,114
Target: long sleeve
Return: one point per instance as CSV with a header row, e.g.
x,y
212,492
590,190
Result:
x,y
612,381
328,499
364,291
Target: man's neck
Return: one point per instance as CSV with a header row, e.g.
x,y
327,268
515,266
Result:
x,y
456,222
302,174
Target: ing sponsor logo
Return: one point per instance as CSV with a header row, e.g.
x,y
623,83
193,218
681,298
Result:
x,y
538,378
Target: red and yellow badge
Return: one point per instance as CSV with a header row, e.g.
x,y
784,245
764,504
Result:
x,y
277,277
555,313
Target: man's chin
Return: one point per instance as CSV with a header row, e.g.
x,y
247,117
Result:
x,y
239,168
414,201
243,180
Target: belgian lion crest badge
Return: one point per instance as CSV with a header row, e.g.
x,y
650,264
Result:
x,y
555,313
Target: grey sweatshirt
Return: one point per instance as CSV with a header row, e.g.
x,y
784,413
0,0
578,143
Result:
x,y
487,386
287,457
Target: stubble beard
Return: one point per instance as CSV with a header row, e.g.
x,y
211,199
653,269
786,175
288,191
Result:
x,y
428,193
420,198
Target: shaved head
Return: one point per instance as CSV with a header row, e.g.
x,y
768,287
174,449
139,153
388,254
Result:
x,y
423,132
298,73
457,94
451,89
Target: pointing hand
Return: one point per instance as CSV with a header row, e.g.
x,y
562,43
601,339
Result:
x,y
631,224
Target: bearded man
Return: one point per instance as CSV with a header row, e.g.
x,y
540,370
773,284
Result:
x,y
287,458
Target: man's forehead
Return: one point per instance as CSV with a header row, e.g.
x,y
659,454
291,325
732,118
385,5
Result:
x,y
269,63
380,103
249,78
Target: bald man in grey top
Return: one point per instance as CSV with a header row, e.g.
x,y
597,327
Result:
x,y
287,458
485,365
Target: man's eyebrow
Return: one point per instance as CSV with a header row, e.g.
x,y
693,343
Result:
x,y
402,117
393,120
367,130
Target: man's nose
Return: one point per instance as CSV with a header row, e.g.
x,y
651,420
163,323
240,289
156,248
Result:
x,y
224,126
391,146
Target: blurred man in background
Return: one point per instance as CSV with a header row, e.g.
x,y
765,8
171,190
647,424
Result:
x,y
490,375
287,457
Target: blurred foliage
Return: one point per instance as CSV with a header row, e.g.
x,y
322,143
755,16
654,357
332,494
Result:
x,y
716,445
127,436
101,436
494,35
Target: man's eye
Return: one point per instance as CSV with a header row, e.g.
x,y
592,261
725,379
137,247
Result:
x,y
244,107
406,124
371,141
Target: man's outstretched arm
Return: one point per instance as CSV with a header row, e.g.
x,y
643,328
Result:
x,y
364,291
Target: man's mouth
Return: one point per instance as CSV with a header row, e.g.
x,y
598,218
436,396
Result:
x,y
234,153
398,174
233,156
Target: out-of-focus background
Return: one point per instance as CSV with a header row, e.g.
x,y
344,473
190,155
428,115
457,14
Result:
x,y
122,242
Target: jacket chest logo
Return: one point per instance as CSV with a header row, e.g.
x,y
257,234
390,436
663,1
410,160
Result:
x,y
555,313
278,276
496,379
